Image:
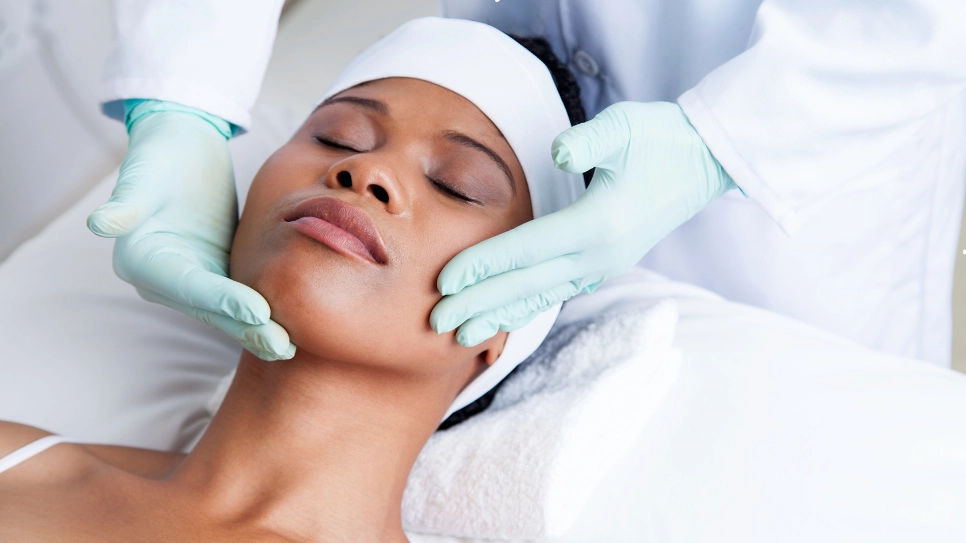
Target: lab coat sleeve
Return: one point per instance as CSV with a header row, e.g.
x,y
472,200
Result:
x,y
207,54
825,90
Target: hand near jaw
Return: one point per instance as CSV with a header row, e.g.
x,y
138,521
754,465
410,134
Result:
x,y
653,173
174,211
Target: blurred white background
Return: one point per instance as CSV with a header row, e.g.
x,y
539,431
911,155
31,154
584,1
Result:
x,y
55,145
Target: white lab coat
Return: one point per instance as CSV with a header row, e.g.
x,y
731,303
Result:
x,y
207,54
843,122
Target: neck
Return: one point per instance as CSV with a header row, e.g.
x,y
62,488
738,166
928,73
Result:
x,y
313,450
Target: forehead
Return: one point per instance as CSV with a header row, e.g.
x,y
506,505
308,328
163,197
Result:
x,y
425,104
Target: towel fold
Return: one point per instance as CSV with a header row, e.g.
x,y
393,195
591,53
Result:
x,y
525,467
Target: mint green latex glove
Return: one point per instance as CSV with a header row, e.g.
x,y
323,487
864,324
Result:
x,y
174,212
654,172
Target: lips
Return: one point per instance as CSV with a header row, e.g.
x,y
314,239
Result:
x,y
340,226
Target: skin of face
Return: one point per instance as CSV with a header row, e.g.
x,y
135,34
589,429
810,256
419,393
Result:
x,y
407,148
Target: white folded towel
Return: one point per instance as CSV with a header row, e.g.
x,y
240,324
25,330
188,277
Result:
x,y
525,467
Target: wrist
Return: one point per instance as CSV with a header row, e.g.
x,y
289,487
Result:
x,y
137,109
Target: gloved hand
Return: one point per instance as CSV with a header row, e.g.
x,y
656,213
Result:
x,y
174,212
653,173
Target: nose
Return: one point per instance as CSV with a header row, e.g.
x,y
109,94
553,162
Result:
x,y
367,177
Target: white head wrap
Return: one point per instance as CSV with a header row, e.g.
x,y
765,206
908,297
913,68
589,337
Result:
x,y
515,90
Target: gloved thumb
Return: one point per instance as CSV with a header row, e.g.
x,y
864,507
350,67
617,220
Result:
x,y
587,145
130,205
114,219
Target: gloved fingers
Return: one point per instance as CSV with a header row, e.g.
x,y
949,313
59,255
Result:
x,y
130,204
522,321
504,289
267,341
512,316
173,276
526,245
589,144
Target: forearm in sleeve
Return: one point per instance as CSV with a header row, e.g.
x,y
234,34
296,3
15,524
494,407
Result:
x,y
206,54
825,90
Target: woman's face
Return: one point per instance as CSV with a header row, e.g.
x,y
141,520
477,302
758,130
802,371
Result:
x,y
348,225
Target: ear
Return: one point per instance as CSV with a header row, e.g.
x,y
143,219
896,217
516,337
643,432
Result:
x,y
494,347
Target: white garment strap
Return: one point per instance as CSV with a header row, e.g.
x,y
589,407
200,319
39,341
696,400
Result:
x,y
31,450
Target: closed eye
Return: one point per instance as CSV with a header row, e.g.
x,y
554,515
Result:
x,y
328,142
451,192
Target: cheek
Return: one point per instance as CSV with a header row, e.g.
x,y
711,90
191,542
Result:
x,y
284,174
435,243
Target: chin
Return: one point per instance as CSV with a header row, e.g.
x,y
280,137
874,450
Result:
x,y
334,308
327,308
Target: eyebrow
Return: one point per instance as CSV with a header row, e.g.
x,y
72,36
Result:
x,y
373,105
466,141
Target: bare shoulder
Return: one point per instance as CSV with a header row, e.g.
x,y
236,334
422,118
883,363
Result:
x,y
141,462
14,435
146,463
55,465
38,490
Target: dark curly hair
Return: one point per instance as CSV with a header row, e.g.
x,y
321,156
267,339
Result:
x,y
569,91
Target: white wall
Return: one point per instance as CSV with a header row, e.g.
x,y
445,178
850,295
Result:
x,y
959,304
54,144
